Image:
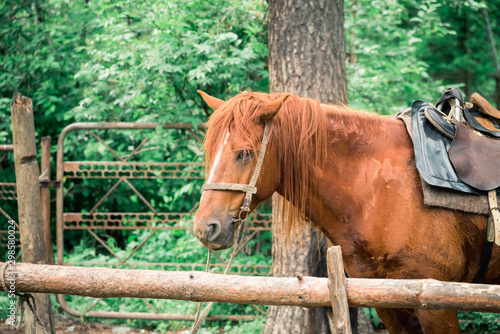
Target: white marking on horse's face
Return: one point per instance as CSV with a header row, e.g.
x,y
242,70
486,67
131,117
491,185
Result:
x,y
217,158
216,162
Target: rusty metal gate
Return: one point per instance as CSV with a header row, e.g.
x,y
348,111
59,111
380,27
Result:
x,y
123,172
8,193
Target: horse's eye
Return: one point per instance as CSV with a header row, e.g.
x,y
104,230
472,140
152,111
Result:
x,y
244,155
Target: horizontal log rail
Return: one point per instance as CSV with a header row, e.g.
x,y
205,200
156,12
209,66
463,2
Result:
x,y
301,291
7,148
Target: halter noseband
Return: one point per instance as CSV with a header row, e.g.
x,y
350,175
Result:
x,y
249,189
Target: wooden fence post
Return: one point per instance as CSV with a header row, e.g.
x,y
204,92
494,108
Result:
x,y
339,319
29,203
45,198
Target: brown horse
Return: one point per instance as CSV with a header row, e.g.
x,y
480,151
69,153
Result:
x,y
352,175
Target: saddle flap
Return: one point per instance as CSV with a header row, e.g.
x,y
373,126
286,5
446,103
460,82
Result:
x,y
475,158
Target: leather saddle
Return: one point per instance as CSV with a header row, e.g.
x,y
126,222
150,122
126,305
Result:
x,y
465,154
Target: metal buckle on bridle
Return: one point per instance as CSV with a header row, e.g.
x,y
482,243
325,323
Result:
x,y
242,217
244,211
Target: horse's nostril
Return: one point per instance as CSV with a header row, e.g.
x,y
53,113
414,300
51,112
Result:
x,y
213,231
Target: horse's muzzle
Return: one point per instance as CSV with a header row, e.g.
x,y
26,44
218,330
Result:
x,y
215,234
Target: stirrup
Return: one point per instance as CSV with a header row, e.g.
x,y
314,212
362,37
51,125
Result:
x,y
452,104
439,120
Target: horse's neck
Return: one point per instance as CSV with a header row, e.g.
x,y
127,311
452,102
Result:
x,y
365,156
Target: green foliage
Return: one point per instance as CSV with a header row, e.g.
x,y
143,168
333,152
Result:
x,y
39,55
466,56
385,73
255,326
373,317
147,60
403,50
127,60
476,322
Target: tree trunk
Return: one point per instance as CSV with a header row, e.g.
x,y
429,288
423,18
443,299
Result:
x,y
304,255
307,58
307,49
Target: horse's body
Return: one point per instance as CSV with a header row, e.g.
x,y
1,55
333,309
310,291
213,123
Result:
x,y
353,175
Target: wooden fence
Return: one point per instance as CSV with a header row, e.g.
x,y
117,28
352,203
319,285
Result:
x,y
334,291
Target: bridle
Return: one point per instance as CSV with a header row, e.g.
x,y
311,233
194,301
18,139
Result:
x,y
249,189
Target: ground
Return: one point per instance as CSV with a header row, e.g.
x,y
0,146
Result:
x,y
66,324
69,325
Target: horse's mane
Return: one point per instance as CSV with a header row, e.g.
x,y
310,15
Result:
x,y
298,131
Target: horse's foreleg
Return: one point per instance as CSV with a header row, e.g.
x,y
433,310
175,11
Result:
x,y
439,321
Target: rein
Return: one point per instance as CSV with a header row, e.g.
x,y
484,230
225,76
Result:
x,y
249,189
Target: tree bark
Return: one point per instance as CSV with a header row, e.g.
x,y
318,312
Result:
x,y
307,49
307,58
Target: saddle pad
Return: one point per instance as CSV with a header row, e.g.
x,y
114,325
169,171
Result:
x,y
475,158
431,153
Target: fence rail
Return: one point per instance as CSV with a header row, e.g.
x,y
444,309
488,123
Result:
x,y
6,148
424,294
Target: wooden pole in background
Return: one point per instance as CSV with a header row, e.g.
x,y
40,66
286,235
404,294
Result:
x,y
45,198
28,199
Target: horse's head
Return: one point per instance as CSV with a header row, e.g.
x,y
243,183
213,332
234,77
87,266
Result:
x,y
233,144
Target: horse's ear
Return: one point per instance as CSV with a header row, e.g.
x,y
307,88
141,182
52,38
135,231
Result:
x,y
212,102
271,108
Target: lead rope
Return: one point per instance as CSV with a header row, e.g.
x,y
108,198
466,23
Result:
x,y
249,190
198,309
199,319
